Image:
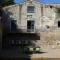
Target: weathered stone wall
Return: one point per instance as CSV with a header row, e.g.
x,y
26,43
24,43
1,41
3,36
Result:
x,y
12,13
45,21
50,39
43,15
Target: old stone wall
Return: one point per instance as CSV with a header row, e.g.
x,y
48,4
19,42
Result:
x,y
50,39
44,17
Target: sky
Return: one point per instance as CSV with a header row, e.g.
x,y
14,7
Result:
x,y
42,1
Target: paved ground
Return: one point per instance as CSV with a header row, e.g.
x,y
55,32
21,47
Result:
x,y
51,53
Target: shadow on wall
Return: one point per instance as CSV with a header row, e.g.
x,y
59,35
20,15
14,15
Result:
x,y
7,36
6,50
10,25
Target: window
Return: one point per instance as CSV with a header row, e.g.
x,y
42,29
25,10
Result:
x,y
30,9
47,26
13,25
58,23
30,26
51,7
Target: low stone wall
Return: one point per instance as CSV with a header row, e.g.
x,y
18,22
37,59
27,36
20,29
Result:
x,y
50,39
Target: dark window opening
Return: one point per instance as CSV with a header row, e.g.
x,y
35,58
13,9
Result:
x,y
51,7
30,9
13,25
30,26
47,26
58,23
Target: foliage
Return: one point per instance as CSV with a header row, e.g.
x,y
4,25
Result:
x,y
6,2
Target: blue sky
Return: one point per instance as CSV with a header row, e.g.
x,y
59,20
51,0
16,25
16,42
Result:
x,y
43,1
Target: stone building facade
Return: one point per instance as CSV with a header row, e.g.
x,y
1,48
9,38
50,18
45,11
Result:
x,y
32,17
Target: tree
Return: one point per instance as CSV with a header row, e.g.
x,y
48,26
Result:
x,y
6,2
